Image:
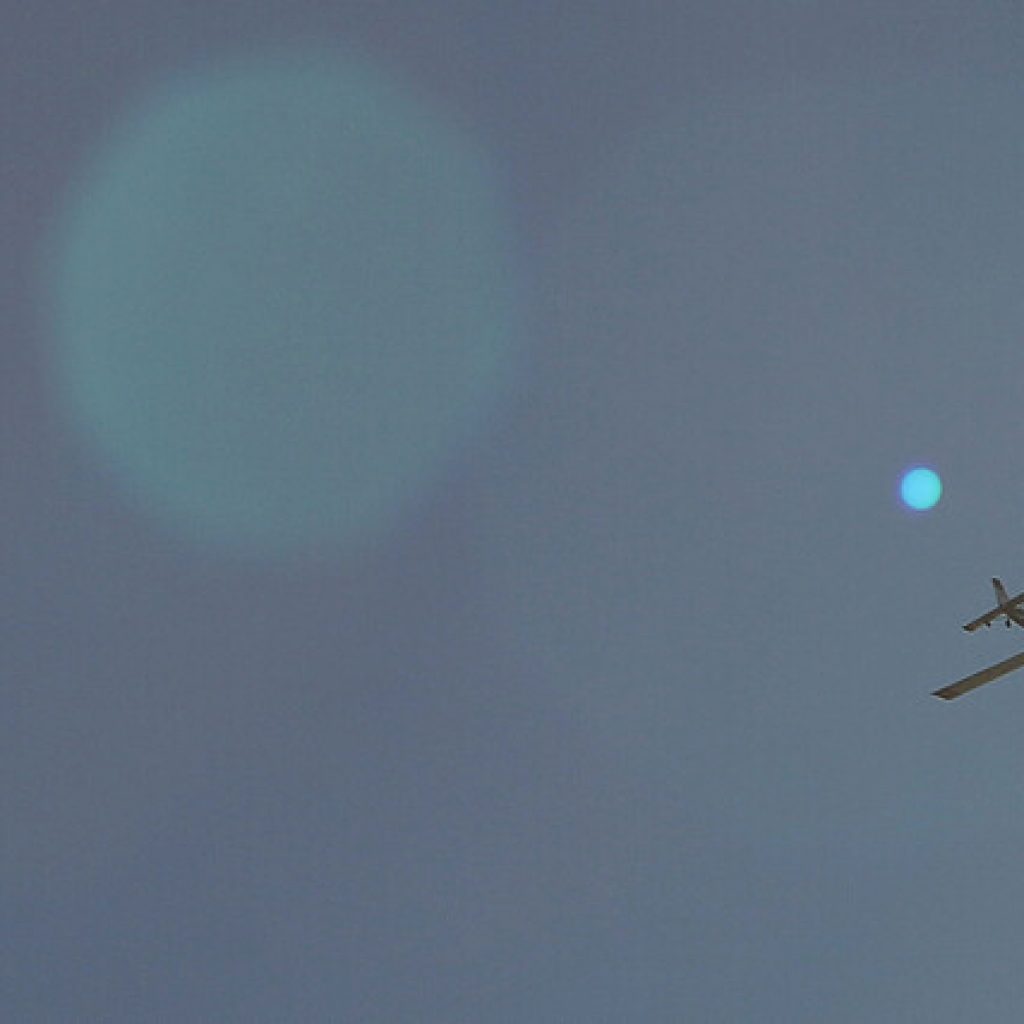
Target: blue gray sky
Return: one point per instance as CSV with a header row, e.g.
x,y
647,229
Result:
x,y
453,567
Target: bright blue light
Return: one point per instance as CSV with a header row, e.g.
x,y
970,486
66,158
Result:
x,y
921,488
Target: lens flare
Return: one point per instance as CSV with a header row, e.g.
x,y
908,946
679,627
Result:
x,y
920,488
283,303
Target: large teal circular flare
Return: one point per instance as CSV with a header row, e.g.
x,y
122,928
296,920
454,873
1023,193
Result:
x,y
283,300
920,488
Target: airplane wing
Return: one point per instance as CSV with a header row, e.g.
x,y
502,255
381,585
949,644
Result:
x,y
986,675
985,620
989,617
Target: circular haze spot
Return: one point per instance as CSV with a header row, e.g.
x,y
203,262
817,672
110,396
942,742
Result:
x,y
283,301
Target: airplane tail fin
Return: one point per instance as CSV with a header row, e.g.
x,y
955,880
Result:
x,y
1001,595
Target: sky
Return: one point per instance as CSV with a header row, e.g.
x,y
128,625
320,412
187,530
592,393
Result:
x,y
453,559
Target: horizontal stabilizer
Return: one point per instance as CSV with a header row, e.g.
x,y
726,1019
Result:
x,y
986,675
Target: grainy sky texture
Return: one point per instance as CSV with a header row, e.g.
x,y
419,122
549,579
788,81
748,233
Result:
x,y
453,563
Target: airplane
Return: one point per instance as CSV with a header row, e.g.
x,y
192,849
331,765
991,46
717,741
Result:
x,y
1012,610
1006,607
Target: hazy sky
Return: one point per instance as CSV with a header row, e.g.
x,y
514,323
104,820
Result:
x,y
623,714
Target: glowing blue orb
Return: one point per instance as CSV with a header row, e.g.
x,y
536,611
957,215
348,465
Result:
x,y
921,488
